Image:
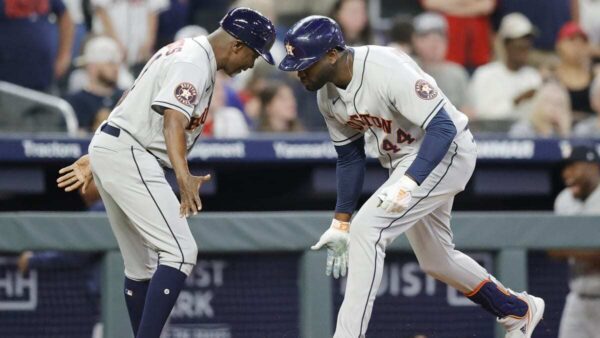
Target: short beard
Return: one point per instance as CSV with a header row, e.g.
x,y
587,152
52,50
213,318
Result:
x,y
324,76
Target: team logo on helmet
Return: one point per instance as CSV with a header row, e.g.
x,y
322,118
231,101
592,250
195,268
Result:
x,y
186,93
289,49
425,90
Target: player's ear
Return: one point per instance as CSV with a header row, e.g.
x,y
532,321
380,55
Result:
x,y
237,46
332,56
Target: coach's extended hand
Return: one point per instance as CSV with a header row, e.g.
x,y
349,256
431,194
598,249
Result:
x,y
189,188
76,175
336,239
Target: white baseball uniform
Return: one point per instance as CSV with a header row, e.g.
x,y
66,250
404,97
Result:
x,y
581,315
127,165
392,101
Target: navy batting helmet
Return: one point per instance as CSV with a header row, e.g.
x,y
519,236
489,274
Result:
x,y
252,28
308,40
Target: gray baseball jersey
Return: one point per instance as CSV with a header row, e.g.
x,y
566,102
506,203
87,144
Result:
x,y
180,76
391,99
127,156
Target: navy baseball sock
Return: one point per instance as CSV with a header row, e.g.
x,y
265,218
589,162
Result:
x,y
135,297
498,302
162,294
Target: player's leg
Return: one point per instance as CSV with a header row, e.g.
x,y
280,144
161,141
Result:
x,y
575,321
140,261
371,231
153,208
431,240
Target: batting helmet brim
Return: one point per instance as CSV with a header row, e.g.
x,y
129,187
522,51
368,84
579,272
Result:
x,y
267,56
294,64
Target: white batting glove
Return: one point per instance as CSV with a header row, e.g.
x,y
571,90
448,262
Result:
x,y
336,239
397,197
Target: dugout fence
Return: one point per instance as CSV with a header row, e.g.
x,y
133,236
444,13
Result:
x,y
256,278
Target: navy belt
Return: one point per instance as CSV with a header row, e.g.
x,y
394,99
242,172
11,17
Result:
x,y
110,130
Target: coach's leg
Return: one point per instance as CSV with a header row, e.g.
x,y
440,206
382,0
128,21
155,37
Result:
x,y
162,226
139,260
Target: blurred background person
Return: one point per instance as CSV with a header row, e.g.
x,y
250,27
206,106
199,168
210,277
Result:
x,y
279,112
547,16
133,24
35,51
171,20
581,176
502,89
101,60
550,114
469,29
430,45
587,14
574,69
590,127
224,121
353,18
401,33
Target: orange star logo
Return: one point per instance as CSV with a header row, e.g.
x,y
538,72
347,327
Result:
x,y
289,49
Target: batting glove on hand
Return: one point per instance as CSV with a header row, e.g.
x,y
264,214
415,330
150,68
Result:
x,y
397,197
336,239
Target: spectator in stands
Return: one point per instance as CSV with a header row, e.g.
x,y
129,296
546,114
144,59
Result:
x,y
501,90
550,115
101,59
224,121
547,16
133,24
400,35
430,44
574,70
278,109
30,55
353,17
581,196
469,29
170,21
588,14
590,127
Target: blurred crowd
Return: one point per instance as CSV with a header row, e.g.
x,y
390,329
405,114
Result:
x,y
526,68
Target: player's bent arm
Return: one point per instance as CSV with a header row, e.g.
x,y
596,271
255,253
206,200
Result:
x,y
350,173
437,140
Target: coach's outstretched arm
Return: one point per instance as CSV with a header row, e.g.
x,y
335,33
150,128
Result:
x,y
189,185
350,173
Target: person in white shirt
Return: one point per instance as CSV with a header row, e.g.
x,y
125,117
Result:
x,y
501,90
133,24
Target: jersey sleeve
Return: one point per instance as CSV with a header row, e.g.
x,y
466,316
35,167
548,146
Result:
x,y
181,88
414,94
339,133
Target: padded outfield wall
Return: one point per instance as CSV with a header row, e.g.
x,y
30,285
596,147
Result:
x,y
256,278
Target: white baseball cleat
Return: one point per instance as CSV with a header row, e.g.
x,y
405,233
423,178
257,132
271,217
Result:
x,y
523,327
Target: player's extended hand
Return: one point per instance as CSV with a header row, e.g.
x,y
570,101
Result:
x,y
397,197
336,239
76,175
189,188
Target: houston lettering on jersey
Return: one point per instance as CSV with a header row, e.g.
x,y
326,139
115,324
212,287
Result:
x,y
364,121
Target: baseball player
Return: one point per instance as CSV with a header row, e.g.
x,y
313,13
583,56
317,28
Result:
x,y
581,175
154,126
424,141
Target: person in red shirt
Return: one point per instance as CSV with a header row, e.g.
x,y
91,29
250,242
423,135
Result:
x,y
469,29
